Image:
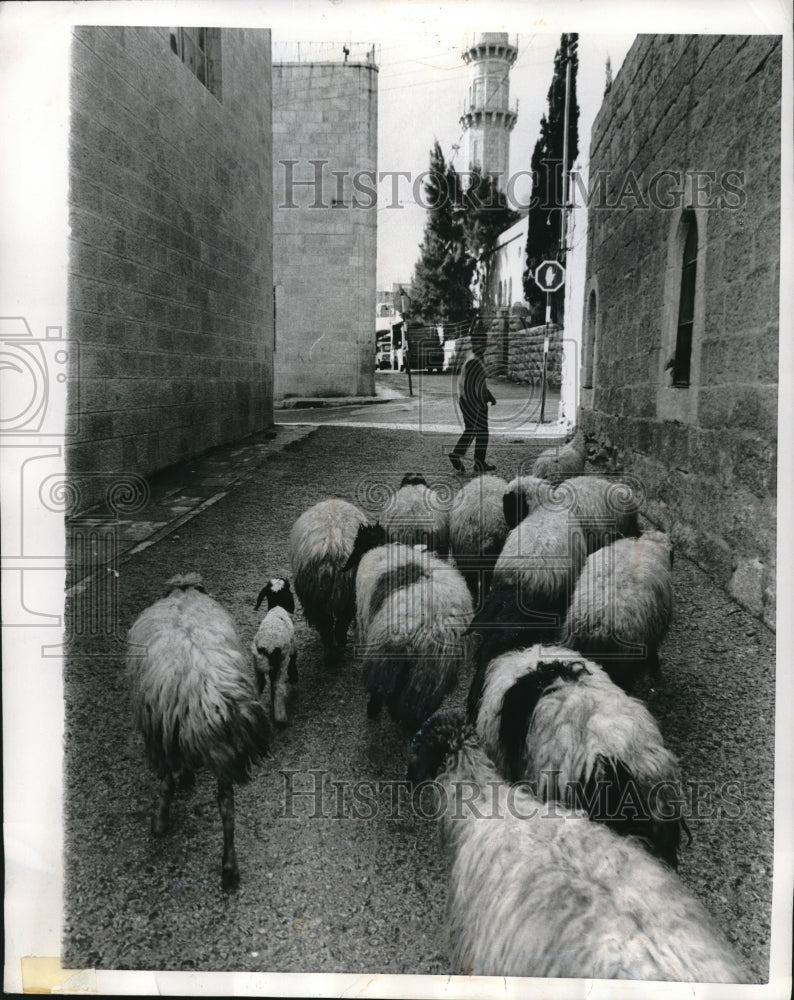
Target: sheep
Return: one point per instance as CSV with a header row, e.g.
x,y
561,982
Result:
x,y
622,606
555,465
415,514
194,701
413,610
538,890
532,582
559,722
320,544
273,647
477,531
606,509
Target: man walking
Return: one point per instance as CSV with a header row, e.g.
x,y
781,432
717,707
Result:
x,y
475,398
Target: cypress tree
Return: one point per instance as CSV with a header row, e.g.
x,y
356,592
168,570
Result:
x,y
544,239
444,269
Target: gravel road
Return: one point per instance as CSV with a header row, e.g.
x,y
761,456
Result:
x,y
326,891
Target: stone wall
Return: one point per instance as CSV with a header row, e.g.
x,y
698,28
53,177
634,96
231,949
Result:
x,y
325,236
691,122
170,272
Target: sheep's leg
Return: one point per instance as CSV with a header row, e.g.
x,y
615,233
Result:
x,y
374,705
292,669
160,818
278,683
187,779
341,629
230,875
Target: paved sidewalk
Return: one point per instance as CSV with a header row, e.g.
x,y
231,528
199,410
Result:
x,y
175,496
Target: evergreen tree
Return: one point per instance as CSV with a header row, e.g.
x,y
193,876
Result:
x,y
486,216
443,272
544,240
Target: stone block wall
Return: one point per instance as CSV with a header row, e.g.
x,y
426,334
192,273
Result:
x,y
325,236
170,273
692,122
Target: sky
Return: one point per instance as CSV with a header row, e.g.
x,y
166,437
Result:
x,y
421,89
422,83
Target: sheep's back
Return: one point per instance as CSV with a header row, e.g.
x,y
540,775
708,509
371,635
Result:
x,y
573,900
374,565
320,544
544,554
192,692
575,722
477,524
623,598
415,516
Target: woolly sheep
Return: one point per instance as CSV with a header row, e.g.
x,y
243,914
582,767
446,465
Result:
x,y
560,723
622,606
273,647
477,530
194,701
320,544
555,465
542,557
414,609
540,891
606,509
415,515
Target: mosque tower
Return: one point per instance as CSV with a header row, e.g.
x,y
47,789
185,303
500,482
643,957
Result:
x,y
487,118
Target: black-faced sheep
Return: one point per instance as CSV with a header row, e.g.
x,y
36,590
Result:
x,y
273,647
560,723
416,515
413,611
538,890
194,701
555,464
622,606
477,531
320,544
606,509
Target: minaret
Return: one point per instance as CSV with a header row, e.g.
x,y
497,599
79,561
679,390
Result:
x,y
487,117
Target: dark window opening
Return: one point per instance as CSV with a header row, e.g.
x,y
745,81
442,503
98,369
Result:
x,y
686,305
200,50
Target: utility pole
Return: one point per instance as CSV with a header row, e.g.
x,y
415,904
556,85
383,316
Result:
x,y
566,121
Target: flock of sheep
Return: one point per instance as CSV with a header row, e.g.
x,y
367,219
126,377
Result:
x,y
561,816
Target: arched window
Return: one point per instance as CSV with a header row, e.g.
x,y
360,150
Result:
x,y
686,304
590,342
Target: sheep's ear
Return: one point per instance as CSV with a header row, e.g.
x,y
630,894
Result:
x,y
262,595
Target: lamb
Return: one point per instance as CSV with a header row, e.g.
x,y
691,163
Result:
x,y
556,465
273,647
539,890
194,701
606,509
477,531
320,544
416,515
560,723
414,609
622,606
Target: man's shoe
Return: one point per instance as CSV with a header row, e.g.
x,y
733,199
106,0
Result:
x,y
484,467
457,465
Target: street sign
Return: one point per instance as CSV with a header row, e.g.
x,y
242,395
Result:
x,y
550,276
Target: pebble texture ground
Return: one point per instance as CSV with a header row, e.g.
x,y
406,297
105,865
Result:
x,y
331,892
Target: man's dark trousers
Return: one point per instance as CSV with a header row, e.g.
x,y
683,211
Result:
x,y
475,427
